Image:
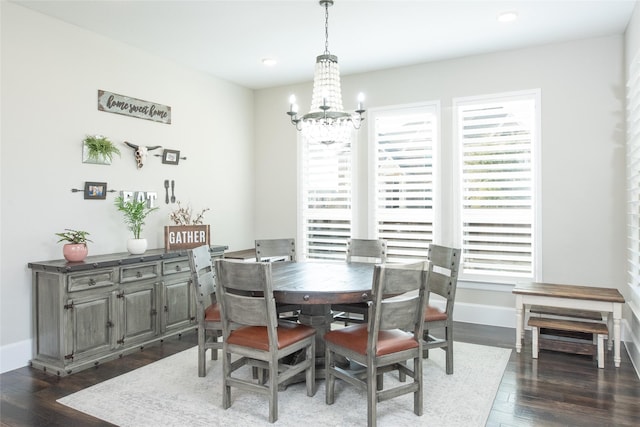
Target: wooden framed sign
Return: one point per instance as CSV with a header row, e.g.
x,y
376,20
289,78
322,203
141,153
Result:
x,y
133,107
180,237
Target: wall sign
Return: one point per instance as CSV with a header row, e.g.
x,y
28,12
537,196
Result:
x,y
120,104
181,237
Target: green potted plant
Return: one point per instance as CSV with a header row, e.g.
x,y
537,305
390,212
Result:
x,y
135,212
98,149
75,250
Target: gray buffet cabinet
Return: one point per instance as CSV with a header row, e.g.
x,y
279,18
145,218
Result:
x,y
86,313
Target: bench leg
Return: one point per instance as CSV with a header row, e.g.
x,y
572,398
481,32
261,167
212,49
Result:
x,y
600,351
534,342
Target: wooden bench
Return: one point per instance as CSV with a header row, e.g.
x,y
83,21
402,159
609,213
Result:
x,y
566,312
598,330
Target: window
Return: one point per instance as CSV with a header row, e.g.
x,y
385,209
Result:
x,y
474,189
402,163
326,215
496,144
633,175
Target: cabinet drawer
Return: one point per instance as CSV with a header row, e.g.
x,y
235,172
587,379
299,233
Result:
x,y
137,272
175,266
91,279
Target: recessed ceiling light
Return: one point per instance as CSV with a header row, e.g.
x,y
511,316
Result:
x,y
508,16
269,62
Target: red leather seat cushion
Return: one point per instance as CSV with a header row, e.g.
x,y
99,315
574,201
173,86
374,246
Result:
x,y
212,313
355,338
258,338
433,314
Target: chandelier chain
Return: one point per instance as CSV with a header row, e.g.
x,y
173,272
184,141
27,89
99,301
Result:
x,y
326,28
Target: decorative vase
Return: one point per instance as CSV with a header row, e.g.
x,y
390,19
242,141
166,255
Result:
x,y
137,246
75,252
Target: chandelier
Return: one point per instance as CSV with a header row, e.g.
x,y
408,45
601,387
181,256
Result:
x,y
326,122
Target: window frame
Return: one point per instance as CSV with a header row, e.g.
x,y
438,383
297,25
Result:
x,y
536,228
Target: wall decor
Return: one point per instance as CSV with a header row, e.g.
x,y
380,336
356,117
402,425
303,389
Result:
x,y
171,157
133,107
98,149
140,152
149,196
180,237
95,190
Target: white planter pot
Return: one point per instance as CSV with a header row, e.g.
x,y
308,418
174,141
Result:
x,y
137,246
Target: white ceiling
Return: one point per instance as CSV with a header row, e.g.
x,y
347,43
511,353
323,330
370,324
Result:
x,y
229,38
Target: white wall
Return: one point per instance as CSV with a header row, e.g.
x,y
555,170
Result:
x,y
51,72
583,180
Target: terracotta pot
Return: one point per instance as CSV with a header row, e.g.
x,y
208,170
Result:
x,y
137,246
75,252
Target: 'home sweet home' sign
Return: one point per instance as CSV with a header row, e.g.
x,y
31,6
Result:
x,y
120,104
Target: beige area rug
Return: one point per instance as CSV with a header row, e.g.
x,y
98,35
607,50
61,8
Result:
x,y
170,393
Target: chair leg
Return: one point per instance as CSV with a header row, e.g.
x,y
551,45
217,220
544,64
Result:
x,y
273,391
418,395
311,370
449,337
226,373
330,379
202,368
372,382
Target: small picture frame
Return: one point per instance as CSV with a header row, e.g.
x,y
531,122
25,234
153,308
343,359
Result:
x,y
170,157
95,190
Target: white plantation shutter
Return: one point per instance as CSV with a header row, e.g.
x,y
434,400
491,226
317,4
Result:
x,y
403,166
496,142
326,200
633,174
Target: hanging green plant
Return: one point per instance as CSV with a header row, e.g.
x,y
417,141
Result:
x,y
99,147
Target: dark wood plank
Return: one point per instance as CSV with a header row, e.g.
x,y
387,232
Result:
x,y
558,389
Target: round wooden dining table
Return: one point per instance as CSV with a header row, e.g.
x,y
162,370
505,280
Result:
x,y
314,286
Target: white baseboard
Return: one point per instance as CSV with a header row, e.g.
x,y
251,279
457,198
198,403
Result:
x,y
15,355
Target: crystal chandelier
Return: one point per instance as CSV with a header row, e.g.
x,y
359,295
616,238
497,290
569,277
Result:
x,y
326,122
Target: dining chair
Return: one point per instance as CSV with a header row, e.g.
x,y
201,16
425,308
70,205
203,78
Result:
x,y
256,337
362,250
383,344
207,308
443,281
270,250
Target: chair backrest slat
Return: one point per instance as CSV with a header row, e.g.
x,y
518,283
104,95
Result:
x,y
367,248
202,275
443,277
399,293
246,294
266,248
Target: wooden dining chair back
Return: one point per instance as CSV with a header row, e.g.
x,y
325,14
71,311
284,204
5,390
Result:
x,y
367,250
279,250
207,309
255,337
268,249
391,337
443,279
360,250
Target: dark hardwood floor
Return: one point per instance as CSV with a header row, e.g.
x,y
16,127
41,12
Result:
x,y
556,390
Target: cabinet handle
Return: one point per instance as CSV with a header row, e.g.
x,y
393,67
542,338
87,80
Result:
x,y
178,268
92,281
138,274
